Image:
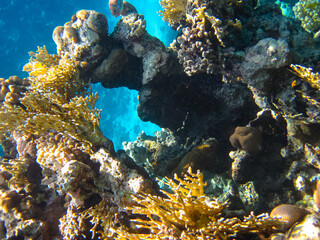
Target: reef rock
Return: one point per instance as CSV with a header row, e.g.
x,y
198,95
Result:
x,y
83,38
260,62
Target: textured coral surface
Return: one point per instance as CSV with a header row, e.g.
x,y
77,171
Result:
x,y
237,95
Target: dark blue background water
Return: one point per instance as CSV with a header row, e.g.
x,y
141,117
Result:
x,y
25,24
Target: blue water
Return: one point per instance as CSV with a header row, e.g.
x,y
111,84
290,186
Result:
x,y
25,25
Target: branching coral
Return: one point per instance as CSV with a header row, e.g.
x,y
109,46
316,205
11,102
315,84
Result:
x,y
17,168
51,73
174,11
51,103
307,75
188,214
40,113
71,224
101,216
307,11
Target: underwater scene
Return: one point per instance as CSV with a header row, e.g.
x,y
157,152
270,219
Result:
x,y
160,119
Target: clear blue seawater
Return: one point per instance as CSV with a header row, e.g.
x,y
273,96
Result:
x,y
27,24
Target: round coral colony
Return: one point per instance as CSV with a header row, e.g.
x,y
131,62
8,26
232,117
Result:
x,y
248,139
289,213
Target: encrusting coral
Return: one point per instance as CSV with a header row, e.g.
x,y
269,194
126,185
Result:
x,y
185,212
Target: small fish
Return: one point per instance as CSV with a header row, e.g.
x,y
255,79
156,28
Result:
x,y
294,83
115,7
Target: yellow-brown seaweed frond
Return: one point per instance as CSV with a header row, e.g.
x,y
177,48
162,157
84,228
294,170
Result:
x,y
49,72
102,217
186,213
174,11
307,75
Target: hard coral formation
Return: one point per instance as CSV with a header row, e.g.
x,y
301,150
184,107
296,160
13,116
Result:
x,y
198,45
248,139
152,153
12,89
237,57
307,11
131,30
187,213
83,38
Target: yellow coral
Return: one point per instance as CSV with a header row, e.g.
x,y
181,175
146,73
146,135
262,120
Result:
x,y
17,168
187,213
51,103
55,150
71,224
174,11
102,215
308,12
41,113
52,73
307,75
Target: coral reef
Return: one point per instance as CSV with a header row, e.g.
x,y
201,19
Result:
x,y
307,11
187,213
83,38
12,89
198,45
174,11
234,64
50,98
307,75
